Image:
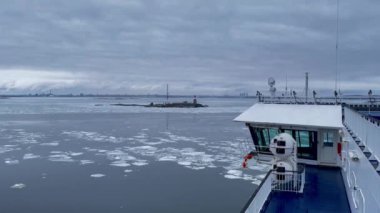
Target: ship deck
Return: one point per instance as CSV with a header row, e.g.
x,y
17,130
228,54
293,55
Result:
x,y
324,191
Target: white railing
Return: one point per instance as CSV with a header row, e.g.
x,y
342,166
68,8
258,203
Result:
x,y
365,129
346,165
354,182
356,193
359,199
258,199
288,181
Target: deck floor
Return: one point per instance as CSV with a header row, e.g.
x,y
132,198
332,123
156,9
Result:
x,y
324,192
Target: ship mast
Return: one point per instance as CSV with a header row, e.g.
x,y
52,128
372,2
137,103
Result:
x,y
336,46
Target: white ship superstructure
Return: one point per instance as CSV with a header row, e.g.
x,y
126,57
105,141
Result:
x,y
334,159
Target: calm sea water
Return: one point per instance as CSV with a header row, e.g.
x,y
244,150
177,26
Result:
x,y
84,155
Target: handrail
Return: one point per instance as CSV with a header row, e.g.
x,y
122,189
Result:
x,y
356,190
291,181
300,169
353,174
365,129
348,172
363,200
300,173
246,206
262,191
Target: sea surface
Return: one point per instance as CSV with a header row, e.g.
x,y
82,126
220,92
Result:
x,y
85,155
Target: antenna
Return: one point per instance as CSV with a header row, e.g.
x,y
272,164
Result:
x,y
336,46
286,84
306,85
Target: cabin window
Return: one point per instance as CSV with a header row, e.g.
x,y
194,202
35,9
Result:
x,y
262,137
328,139
273,133
306,143
290,132
306,140
302,138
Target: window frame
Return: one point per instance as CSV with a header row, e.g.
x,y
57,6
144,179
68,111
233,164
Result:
x,y
328,138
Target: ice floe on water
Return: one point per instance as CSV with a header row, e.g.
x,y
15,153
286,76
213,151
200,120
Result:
x,y
21,136
120,163
168,158
28,156
85,162
60,156
93,136
141,137
184,163
177,138
89,149
75,153
194,153
8,148
18,186
187,157
55,143
140,163
143,150
238,174
120,158
10,161
98,175
43,175
233,174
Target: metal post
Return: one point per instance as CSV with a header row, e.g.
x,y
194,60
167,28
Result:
x,y
306,85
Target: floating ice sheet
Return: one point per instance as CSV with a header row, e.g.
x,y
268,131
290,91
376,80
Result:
x,y
75,153
28,156
50,144
8,148
18,186
140,163
60,156
93,136
120,163
168,158
10,161
98,175
85,162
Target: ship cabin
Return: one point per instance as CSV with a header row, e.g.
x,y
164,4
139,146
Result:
x,y
337,157
316,129
316,179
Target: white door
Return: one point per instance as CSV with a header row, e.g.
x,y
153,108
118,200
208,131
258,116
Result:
x,y
328,147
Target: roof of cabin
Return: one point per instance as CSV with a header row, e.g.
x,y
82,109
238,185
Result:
x,y
328,116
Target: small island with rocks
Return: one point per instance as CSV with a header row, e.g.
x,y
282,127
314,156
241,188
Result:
x,y
184,104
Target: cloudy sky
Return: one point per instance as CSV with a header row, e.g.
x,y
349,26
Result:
x,y
199,47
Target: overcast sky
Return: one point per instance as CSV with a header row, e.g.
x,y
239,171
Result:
x,y
197,46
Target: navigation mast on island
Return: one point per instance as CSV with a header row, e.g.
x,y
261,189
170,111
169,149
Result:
x,y
167,92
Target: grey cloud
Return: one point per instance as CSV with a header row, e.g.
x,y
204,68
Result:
x,y
203,47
